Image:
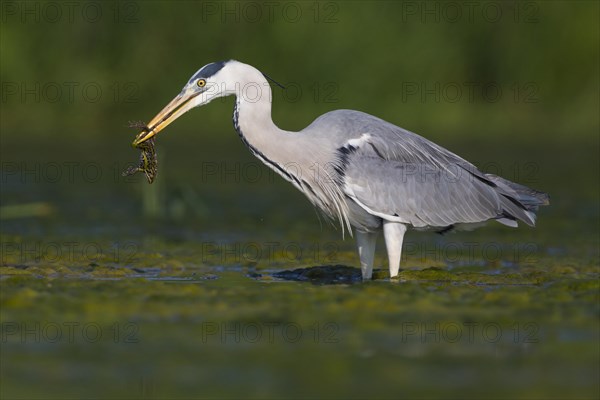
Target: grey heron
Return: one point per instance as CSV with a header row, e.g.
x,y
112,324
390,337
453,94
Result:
x,y
359,170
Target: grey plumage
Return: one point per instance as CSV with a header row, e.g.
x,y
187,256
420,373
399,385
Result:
x,y
360,170
401,176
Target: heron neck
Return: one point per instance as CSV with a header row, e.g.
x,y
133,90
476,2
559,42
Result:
x,y
253,122
296,156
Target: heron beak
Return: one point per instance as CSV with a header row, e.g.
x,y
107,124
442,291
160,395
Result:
x,y
177,107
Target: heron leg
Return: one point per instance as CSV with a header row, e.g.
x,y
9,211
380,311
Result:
x,y
393,232
366,252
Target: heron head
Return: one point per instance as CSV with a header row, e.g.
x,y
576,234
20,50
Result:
x,y
209,82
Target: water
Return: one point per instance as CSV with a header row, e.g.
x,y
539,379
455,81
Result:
x,y
103,297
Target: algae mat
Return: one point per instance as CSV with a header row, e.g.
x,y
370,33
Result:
x,y
244,295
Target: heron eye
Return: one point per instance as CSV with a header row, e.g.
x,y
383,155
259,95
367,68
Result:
x,y
201,82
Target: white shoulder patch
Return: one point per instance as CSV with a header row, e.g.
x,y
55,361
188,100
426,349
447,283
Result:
x,y
364,138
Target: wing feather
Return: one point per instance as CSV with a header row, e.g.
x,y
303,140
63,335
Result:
x,y
400,176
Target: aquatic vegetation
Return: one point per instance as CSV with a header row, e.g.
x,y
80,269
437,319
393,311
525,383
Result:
x,y
253,299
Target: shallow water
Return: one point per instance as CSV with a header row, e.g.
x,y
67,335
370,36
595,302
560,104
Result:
x,y
181,290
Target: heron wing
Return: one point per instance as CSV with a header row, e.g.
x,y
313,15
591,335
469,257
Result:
x,y
400,176
421,196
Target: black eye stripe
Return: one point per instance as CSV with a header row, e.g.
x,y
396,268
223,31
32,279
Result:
x,y
207,71
211,69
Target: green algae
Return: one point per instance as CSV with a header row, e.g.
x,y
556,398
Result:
x,y
197,307
198,317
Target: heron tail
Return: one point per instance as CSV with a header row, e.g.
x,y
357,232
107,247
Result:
x,y
521,201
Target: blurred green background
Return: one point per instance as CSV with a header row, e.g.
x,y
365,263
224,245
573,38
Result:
x,y
512,86
501,84
125,60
